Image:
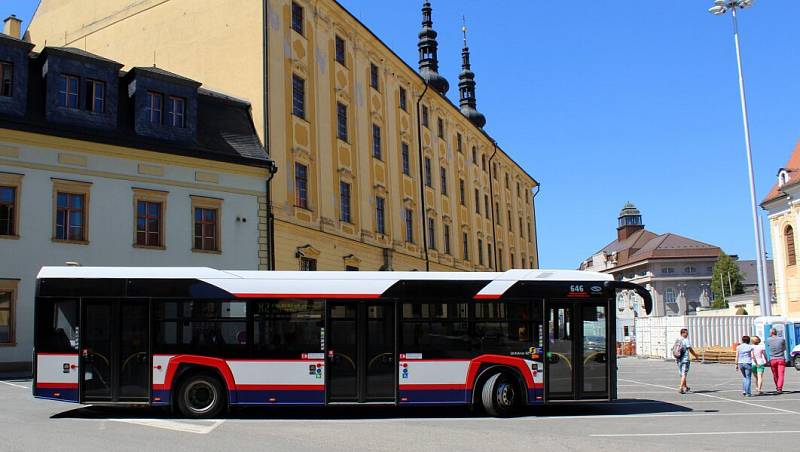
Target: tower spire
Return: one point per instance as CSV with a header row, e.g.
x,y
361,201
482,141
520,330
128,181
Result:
x,y
428,59
466,85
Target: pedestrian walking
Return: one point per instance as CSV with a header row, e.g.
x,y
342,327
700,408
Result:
x,y
681,350
744,363
759,363
777,358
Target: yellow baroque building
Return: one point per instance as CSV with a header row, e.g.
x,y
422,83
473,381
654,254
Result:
x,y
354,189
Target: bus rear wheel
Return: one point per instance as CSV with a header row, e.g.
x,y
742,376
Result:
x,y
500,395
201,396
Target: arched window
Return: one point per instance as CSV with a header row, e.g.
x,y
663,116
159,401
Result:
x,y
669,295
788,238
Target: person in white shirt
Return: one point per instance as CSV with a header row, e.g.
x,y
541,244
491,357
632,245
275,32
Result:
x,y
759,362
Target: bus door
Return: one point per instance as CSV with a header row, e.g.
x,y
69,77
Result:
x,y
360,347
576,355
114,356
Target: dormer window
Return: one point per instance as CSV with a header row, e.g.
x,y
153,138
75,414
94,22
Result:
x,y
783,178
68,87
6,79
176,112
96,100
155,105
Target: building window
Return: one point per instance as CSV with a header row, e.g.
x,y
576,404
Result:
x,y
480,251
149,214
788,237
176,112
424,116
443,179
461,192
486,205
507,188
465,245
495,173
71,211
206,228
477,201
428,175
341,121
154,107
489,255
446,231
308,264
373,76
459,142
432,233
344,202
96,98
340,55
298,96
483,161
518,191
669,295
521,230
497,213
690,269
510,224
474,156
439,128
8,290
667,270
403,101
68,91
380,222
376,142
511,257
301,185
527,200
500,258
6,79
9,204
406,160
409,218
530,236
297,18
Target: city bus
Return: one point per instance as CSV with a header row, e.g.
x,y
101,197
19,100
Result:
x,y
200,340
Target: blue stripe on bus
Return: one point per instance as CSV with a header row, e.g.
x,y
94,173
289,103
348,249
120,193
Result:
x,y
434,396
280,397
533,393
164,397
64,394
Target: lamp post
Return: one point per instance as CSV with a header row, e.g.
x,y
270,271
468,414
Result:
x,y
721,7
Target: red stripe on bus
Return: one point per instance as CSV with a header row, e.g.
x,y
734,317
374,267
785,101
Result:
x,y
41,385
280,387
307,295
487,296
439,387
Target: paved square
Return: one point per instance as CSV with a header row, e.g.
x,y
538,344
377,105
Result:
x,y
650,415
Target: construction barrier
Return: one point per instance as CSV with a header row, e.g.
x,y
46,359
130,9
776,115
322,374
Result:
x,y
656,335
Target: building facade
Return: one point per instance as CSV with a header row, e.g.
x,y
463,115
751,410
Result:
x,y
99,168
377,167
783,209
676,270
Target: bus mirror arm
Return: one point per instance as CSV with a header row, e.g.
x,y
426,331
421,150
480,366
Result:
x,y
641,291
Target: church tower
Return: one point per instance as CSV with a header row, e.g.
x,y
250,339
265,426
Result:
x,y
428,59
630,221
466,87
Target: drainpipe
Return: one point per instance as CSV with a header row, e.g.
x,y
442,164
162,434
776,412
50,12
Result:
x,y
424,215
491,207
535,232
265,114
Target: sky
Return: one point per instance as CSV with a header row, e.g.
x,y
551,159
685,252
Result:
x,y
629,101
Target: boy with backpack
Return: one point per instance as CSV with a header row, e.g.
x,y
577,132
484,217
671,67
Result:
x,y
681,350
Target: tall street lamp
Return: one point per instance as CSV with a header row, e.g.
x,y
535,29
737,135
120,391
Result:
x,y
721,7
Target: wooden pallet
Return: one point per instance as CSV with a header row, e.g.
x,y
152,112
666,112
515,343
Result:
x,y
716,355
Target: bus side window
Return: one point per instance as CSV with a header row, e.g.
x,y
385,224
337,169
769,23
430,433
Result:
x,y
287,328
58,326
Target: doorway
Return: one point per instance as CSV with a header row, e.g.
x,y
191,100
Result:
x,y
114,353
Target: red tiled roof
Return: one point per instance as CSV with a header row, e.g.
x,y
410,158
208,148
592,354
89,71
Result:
x,y
644,244
792,167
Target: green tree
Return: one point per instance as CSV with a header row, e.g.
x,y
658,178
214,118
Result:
x,y
726,273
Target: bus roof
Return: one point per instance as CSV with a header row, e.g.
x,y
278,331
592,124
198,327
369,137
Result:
x,y
205,273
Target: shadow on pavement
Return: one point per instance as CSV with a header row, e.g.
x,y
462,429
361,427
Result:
x,y
620,407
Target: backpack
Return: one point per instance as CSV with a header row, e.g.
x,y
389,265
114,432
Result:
x,y
677,349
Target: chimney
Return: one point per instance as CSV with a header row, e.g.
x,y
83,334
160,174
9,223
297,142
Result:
x,y
12,26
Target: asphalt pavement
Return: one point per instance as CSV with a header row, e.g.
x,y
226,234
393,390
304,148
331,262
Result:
x,y
650,415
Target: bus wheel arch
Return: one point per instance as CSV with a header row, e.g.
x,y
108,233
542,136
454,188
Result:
x,y
490,378
199,391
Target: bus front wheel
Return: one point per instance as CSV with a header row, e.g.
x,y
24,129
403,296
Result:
x,y
500,395
201,396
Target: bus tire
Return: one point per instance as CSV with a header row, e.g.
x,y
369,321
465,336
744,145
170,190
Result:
x,y
500,395
201,396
